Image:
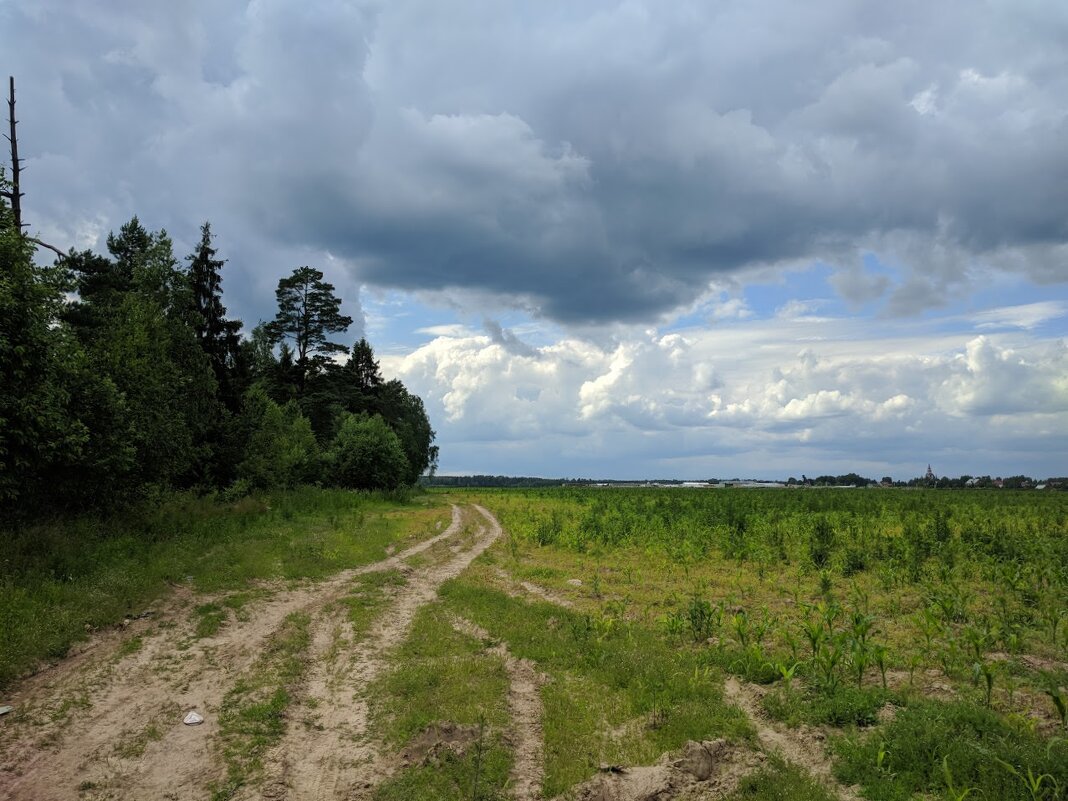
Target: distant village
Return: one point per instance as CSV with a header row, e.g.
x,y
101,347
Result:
x,y
848,481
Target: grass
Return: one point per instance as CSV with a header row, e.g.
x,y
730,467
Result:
x,y
210,618
852,706
252,716
605,674
779,781
130,646
60,580
134,744
369,596
973,741
442,676
964,598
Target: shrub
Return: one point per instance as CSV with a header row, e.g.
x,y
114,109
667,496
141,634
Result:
x,y
280,450
367,454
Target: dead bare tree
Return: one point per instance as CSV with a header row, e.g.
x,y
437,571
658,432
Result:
x,y
15,195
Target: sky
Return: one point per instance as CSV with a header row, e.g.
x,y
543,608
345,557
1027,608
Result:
x,y
608,239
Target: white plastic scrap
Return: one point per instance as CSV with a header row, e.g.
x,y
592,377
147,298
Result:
x,y
5,709
194,718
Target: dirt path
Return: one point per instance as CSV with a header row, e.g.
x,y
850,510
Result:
x,y
334,758
524,705
802,746
120,734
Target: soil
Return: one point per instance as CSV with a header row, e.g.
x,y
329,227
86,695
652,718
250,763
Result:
x,y
697,772
802,746
107,725
524,704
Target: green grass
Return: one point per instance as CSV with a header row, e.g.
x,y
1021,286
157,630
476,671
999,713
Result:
x,y
856,706
60,579
210,618
606,674
130,646
134,745
368,597
442,676
779,781
252,716
970,738
475,775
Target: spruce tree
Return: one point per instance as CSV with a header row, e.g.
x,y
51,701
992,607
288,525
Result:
x,y
217,336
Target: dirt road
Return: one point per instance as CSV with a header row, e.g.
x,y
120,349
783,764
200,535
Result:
x,y
108,724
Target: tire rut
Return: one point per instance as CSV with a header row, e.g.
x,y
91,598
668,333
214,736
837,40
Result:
x,y
335,759
146,694
525,708
803,748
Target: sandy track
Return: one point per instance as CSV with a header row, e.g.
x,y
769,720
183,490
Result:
x,y
129,743
525,708
335,759
802,747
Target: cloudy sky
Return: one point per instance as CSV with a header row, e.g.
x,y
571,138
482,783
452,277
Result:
x,y
603,238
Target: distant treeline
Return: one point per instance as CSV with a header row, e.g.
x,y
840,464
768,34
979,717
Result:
x,y
846,480
121,375
498,481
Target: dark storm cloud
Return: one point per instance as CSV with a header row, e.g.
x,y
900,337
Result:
x,y
591,162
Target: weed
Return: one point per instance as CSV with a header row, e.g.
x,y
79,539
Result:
x,y
777,781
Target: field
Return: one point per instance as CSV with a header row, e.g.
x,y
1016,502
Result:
x,y
596,644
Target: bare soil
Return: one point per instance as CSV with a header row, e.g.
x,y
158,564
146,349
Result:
x,y
106,724
802,746
524,705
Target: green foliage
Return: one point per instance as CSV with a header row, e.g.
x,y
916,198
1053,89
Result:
x,y
308,313
930,741
60,579
63,435
217,336
821,542
280,450
367,454
846,706
593,666
779,781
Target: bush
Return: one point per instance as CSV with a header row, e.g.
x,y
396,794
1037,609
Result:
x,y
281,451
367,454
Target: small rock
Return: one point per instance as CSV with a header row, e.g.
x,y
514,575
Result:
x,y
126,622
5,709
575,582
194,718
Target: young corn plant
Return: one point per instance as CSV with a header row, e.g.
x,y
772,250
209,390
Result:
x,y
787,672
815,632
1037,786
953,793
742,628
986,671
881,764
827,661
878,655
1059,696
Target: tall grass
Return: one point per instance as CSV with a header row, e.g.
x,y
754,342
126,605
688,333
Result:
x,y
62,579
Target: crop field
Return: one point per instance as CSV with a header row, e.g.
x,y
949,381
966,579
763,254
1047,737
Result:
x,y
597,644
886,644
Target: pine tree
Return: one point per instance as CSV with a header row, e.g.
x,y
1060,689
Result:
x,y
308,312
